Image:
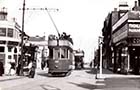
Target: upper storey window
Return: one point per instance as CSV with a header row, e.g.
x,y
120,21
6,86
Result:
x,y
2,31
10,32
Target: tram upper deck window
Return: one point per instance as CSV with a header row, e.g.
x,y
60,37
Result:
x,y
1,49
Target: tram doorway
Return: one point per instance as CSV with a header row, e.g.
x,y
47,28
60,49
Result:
x,y
135,60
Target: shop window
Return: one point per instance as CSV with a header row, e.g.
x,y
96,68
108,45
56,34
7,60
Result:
x,y
1,49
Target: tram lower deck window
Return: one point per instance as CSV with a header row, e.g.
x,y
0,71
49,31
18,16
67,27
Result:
x,y
1,49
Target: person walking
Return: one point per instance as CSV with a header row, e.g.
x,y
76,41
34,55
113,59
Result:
x,y
32,66
12,68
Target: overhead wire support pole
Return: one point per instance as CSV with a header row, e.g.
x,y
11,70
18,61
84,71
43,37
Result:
x,y
22,37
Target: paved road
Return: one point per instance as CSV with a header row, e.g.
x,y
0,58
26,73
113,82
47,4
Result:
x,y
78,80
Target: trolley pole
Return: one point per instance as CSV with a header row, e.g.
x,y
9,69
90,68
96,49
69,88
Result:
x,y
22,38
100,48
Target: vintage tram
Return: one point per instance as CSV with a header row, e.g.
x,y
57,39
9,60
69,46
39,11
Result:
x,y
78,58
60,55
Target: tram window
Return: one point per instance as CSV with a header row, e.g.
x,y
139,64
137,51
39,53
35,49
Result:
x,y
64,53
1,49
51,53
57,53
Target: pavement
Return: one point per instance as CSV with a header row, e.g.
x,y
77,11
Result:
x,y
109,74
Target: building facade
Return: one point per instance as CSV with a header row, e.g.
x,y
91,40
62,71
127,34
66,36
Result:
x,y
9,40
122,39
42,51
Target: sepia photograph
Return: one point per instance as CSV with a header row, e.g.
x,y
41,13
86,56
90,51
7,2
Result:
x,y
69,44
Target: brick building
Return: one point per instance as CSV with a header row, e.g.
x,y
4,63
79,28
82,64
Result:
x,y
121,33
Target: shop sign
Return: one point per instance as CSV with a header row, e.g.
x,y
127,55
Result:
x,y
12,43
136,40
2,31
134,27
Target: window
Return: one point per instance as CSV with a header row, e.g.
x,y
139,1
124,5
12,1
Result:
x,y
2,31
64,53
50,52
57,53
10,32
9,49
1,49
9,56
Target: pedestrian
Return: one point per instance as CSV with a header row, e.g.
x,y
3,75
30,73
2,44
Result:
x,y
12,68
32,66
18,66
1,68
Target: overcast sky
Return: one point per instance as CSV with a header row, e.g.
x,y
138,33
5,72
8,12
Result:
x,y
82,19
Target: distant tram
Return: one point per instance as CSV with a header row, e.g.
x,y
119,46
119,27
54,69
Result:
x,y
60,55
78,58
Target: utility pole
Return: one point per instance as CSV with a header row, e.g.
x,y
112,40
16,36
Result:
x,y
22,31
101,61
22,38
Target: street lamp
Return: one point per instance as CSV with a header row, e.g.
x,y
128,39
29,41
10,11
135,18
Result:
x,y
100,42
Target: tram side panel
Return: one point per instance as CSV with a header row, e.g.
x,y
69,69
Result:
x,y
59,66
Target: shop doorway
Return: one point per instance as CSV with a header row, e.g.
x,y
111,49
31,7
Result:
x,y
135,60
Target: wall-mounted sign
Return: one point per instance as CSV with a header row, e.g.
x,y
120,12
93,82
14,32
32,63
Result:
x,y
136,40
2,31
134,27
13,43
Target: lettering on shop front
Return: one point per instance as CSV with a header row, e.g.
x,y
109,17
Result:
x,y
136,40
134,27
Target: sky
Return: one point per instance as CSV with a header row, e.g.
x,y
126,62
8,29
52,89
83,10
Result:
x,y
82,19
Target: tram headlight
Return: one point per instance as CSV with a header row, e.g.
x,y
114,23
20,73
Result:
x,y
56,66
56,61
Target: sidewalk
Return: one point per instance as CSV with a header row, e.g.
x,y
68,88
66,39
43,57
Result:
x,y
109,74
7,78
